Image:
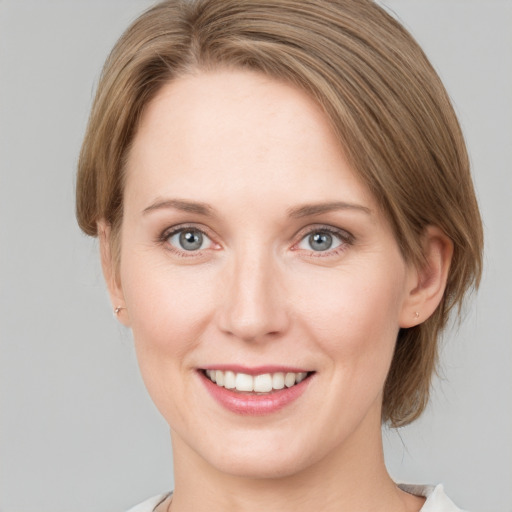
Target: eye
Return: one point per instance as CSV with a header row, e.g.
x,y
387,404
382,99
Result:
x,y
188,239
322,240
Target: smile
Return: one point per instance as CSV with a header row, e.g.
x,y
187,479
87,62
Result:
x,y
263,383
255,392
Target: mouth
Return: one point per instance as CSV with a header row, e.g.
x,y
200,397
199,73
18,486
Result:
x,y
259,384
255,391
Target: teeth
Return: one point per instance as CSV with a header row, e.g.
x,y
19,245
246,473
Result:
x,y
263,383
229,380
278,380
301,376
243,382
289,379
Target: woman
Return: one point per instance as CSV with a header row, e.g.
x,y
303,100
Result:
x,y
286,219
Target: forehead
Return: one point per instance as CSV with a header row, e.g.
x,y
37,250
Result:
x,y
237,132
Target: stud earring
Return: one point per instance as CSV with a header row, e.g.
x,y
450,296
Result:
x,y
416,315
118,309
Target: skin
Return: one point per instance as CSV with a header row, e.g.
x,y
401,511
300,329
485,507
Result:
x,y
256,293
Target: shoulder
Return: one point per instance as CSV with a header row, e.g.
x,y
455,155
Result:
x,y
150,504
436,501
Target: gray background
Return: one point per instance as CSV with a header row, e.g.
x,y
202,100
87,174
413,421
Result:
x,y
78,431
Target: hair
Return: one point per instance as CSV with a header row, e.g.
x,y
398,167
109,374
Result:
x,y
385,102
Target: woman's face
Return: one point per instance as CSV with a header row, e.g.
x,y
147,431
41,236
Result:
x,y
250,250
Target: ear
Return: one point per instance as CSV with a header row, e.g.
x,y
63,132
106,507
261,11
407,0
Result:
x,y
426,285
110,273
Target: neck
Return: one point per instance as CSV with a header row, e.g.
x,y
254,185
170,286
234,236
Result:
x,y
347,479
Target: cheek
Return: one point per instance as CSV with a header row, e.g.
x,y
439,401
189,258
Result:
x,y
168,313
167,308
355,317
355,326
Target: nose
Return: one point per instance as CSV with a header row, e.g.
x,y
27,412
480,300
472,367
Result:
x,y
254,306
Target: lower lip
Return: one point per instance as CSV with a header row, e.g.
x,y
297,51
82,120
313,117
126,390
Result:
x,y
252,404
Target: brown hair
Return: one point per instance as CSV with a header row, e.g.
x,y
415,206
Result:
x,y
386,104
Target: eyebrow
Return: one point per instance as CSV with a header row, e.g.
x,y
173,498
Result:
x,y
180,204
308,210
298,212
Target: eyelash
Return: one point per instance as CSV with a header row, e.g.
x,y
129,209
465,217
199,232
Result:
x,y
168,233
345,238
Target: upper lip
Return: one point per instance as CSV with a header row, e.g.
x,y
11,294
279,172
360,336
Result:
x,y
255,370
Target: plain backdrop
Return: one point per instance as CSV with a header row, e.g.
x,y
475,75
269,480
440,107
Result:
x,y
77,429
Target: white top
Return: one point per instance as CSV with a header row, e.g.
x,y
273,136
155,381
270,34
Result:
x,y
436,501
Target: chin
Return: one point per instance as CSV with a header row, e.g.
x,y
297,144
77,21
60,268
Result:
x,y
266,459
259,467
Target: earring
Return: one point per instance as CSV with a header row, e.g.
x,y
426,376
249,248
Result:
x,y
117,310
416,315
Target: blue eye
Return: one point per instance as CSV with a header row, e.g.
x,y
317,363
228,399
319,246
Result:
x,y
189,239
320,241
